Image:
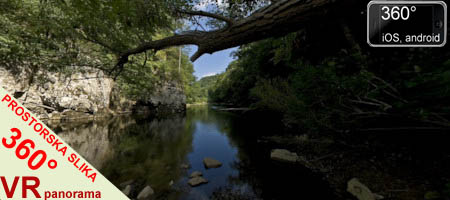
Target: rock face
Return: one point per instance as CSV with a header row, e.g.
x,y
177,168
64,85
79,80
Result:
x,y
119,103
146,193
167,99
211,163
283,155
359,190
81,94
48,93
196,181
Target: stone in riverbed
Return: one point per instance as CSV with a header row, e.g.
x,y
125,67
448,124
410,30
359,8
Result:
x,y
359,190
127,190
283,155
146,193
196,181
211,163
195,174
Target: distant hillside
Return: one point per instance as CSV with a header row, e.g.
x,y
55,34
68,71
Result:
x,y
200,89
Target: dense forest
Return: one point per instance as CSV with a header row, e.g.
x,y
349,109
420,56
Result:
x,y
340,88
201,89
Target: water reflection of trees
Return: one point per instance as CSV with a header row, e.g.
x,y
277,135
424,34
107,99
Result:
x,y
149,152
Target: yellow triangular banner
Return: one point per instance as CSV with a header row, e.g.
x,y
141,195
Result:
x,y
37,164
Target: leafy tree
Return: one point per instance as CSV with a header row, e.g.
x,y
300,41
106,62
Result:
x,y
200,89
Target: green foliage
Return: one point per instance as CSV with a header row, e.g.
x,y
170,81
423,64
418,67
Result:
x,y
147,72
119,24
311,97
341,90
199,90
31,36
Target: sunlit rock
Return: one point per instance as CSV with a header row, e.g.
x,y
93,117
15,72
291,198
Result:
x,y
84,92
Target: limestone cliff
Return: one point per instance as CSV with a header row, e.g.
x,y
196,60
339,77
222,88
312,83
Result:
x,y
166,99
85,93
49,93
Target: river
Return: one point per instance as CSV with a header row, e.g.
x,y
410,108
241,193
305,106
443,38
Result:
x,y
151,151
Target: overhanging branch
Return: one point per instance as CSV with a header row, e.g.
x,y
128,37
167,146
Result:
x,y
276,19
229,21
187,38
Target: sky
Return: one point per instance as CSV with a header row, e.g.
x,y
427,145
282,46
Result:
x,y
210,64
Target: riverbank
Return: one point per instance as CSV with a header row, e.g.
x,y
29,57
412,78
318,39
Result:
x,y
392,164
390,171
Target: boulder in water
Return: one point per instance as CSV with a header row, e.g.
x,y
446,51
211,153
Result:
x,y
211,163
196,181
195,174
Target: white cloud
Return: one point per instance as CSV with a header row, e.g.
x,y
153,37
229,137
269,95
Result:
x,y
209,74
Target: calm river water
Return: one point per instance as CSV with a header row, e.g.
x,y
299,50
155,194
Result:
x,y
152,152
